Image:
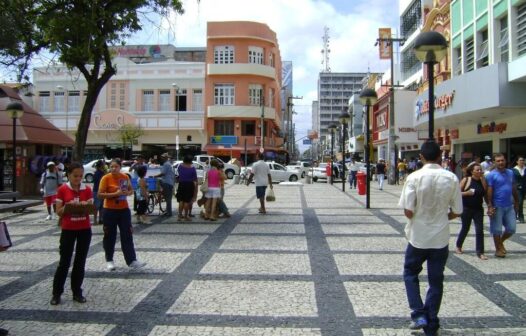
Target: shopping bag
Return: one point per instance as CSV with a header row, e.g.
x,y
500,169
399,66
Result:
x,y
271,197
5,240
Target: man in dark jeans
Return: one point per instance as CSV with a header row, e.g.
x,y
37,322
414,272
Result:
x,y
427,232
167,182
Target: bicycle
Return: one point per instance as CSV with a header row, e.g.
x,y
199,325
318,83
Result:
x,y
155,197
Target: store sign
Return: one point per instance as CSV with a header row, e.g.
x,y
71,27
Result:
x,y
491,128
138,51
384,34
381,120
441,103
112,120
406,130
223,140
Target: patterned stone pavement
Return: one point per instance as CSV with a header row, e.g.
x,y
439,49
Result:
x,y
318,263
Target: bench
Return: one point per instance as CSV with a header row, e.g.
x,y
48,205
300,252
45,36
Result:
x,y
7,204
9,194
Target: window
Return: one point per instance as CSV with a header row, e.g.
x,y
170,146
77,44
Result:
x,y
197,100
248,128
482,59
224,127
117,95
74,101
223,54
254,94
44,101
470,55
224,94
457,55
255,55
164,100
271,60
271,98
521,29
58,101
503,45
147,100
180,100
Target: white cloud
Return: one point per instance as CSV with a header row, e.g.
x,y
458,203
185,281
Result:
x,y
353,29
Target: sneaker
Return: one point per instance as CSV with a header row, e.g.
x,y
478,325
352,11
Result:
x,y
137,264
110,266
48,217
52,216
419,323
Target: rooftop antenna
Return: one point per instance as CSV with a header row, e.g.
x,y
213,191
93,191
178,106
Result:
x,y
325,51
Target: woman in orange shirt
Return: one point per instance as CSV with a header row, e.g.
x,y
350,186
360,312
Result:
x,y
114,188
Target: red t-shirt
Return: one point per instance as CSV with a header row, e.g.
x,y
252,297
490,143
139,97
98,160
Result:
x,y
66,194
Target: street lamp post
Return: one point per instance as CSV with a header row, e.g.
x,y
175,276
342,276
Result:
x,y
14,110
290,131
176,88
262,123
368,98
332,128
430,48
344,120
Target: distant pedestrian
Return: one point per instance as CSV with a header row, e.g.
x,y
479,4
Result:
x,y
75,235
486,165
353,171
402,170
222,209
503,203
213,194
50,181
114,188
139,162
141,195
473,189
430,198
520,181
186,188
100,171
380,173
167,182
261,174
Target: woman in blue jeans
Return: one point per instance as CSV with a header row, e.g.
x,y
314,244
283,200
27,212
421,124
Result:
x,y
473,189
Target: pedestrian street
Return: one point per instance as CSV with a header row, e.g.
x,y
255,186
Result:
x,y
318,263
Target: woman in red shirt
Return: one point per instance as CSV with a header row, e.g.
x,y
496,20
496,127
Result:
x,y
76,233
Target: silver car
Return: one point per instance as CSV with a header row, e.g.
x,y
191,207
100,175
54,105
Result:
x,y
200,168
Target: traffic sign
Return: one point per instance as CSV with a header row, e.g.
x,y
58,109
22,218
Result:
x,y
307,141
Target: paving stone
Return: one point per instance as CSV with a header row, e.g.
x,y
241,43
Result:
x,y
396,244
358,229
375,264
256,263
246,242
26,261
230,331
55,329
269,228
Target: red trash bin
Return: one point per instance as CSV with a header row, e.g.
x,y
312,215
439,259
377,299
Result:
x,y
360,177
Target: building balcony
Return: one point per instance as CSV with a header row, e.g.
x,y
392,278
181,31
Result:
x,y
242,69
241,111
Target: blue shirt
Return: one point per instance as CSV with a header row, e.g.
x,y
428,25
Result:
x,y
502,184
168,173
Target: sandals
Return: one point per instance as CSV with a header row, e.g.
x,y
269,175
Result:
x,y
482,257
459,250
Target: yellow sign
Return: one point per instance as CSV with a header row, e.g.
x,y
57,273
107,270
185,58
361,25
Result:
x,y
384,46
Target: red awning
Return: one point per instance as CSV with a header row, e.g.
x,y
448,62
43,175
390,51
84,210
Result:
x,y
31,128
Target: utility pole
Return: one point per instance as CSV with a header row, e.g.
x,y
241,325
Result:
x,y
262,103
290,131
391,146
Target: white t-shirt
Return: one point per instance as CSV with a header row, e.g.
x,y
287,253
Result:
x,y
261,170
430,192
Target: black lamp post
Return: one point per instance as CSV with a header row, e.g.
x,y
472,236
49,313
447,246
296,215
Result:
x,y
332,128
430,48
14,111
368,98
344,120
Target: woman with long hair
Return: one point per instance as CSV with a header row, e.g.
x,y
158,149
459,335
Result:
x,y
75,234
473,188
114,188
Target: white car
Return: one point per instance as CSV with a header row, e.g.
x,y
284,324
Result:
x,y
302,168
278,172
230,169
320,172
89,170
200,168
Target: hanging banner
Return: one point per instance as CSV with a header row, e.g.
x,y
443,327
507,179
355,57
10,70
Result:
x,y
384,34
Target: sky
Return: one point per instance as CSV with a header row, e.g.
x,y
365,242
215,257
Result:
x,y
299,26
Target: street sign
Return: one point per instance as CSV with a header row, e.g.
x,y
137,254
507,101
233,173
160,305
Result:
x,y
223,140
307,141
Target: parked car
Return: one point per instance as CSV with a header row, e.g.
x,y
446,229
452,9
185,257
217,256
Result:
x,y
320,172
278,172
301,167
89,170
200,168
230,169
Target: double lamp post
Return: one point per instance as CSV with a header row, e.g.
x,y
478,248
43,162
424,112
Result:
x,y
344,120
15,111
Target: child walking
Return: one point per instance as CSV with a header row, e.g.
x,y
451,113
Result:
x,y
141,195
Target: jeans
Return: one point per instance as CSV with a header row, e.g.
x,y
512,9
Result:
x,y
352,179
168,191
381,178
67,243
477,215
504,217
120,218
436,262
520,215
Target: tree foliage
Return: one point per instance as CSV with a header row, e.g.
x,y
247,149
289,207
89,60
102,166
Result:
x,y
81,34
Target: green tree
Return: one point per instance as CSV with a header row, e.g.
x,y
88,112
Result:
x,y
128,134
80,33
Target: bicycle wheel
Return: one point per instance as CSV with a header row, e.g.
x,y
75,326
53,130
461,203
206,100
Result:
x,y
151,204
162,203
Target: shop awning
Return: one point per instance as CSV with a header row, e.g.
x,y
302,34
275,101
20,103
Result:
x,y
31,128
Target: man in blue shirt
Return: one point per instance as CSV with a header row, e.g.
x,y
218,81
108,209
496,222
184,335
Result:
x,y
167,182
503,202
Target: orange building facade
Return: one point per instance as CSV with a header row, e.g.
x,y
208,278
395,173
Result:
x,y
242,91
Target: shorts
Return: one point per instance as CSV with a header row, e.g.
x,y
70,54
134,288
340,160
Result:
x,y
260,191
97,201
49,200
504,216
213,193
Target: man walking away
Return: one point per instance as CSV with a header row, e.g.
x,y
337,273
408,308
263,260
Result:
x,y
167,182
380,173
520,180
261,173
501,209
430,198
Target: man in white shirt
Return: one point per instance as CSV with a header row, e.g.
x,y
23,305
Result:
x,y
261,173
486,164
430,198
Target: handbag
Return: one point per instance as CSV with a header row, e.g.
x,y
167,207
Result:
x,y
204,186
271,197
5,239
